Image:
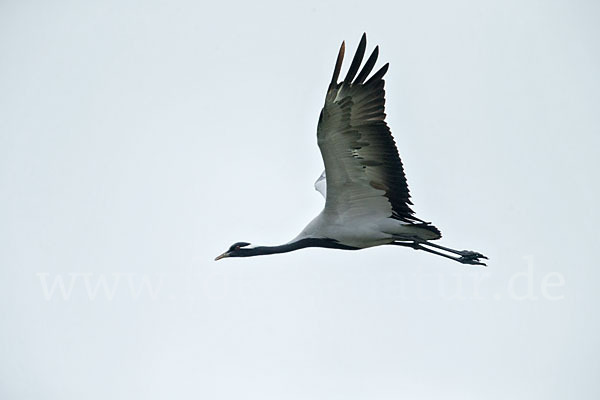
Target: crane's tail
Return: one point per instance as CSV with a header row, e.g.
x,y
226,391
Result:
x,y
425,231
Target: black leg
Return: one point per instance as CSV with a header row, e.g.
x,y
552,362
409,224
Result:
x,y
463,253
466,257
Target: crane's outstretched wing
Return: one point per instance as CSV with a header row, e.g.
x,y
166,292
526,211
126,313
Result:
x,y
364,172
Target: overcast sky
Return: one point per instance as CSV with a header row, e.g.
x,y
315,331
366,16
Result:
x,y
138,140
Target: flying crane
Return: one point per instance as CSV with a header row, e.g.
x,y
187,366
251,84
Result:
x,y
367,201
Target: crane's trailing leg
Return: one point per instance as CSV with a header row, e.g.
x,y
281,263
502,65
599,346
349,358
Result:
x,y
466,256
462,253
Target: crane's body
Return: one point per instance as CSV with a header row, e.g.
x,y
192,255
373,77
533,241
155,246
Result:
x,y
361,232
367,201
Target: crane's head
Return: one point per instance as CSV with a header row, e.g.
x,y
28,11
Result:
x,y
235,250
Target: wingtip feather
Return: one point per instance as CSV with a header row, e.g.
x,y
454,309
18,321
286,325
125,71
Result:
x,y
358,57
379,74
368,66
338,65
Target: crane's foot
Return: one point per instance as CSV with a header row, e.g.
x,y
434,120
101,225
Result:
x,y
472,259
468,254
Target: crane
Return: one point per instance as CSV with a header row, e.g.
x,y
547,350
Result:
x,y
367,201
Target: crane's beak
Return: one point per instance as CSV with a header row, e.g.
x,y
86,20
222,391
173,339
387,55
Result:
x,y
226,254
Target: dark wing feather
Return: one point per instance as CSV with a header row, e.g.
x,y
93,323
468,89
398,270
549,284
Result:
x,y
377,76
368,67
338,66
358,57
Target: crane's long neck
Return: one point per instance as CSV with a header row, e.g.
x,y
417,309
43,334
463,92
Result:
x,y
295,245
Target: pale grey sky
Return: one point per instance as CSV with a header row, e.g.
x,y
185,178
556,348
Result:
x,y
138,140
